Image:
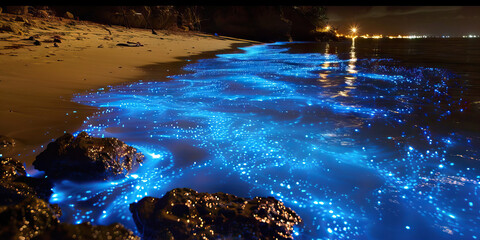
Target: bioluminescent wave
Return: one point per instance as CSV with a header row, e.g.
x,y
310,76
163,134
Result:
x,y
356,147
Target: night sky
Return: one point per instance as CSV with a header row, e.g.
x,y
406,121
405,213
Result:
x,y
407,20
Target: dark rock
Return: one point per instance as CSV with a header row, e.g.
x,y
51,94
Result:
x,y
40,187
31,38
34,218
130,44
27,219
6,142
183,213
68,15
15,185
26,214
86,158
11,169
37,43
87,232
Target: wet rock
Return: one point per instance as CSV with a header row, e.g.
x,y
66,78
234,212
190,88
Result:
x,y
87,232
26,214
34,218
6,141
40,187
15,185
86,158
183,213
26,219
11,169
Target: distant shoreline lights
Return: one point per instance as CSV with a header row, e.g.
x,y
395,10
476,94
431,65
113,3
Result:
x,y
380,36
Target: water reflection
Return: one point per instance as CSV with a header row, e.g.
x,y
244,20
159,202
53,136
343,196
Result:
x,y
346,143
352,60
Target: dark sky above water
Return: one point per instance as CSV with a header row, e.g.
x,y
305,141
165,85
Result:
x,y
407,20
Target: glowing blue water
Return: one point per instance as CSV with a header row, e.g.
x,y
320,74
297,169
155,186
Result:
x,y
357,147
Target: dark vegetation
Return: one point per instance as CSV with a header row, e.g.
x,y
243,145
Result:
x,y
260,23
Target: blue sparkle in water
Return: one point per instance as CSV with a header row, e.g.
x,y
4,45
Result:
x,y
343,142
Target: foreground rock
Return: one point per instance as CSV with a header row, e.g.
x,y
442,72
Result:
x,y
15,185
183,213
6,142
26,214
86,231
26,219
33,218
86,158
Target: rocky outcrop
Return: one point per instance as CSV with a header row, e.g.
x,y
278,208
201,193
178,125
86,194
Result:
x,y
27,219
87,158
26,214
11,168
183,213
15,185
34,218
85,231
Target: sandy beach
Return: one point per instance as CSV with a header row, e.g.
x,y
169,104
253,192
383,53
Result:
x,y
38,80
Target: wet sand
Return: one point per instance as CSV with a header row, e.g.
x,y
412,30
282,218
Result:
x,y
38,81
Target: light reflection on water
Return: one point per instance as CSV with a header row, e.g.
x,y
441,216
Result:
x,y
349,144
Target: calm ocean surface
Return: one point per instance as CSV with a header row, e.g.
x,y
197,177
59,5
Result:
x,y
370,139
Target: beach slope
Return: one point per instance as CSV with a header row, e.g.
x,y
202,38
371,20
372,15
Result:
x,y
45,61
